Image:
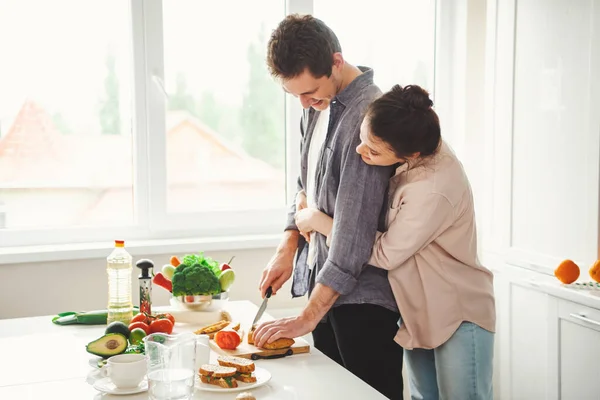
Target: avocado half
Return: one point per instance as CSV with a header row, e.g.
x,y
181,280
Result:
x,y
108,345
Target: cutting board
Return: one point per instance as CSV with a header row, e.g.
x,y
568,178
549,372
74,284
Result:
x,y
245,350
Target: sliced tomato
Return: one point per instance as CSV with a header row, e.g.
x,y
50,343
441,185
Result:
x,y
228,339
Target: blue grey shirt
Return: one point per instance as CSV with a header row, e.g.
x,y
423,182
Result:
x,y
352,192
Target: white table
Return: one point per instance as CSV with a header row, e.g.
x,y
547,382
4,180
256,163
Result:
x,y
40,360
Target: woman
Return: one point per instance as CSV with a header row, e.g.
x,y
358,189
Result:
x,y
445,297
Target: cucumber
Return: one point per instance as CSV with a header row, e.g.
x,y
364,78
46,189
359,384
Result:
x,y
97,317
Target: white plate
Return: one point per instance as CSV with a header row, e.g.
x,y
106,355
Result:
x,y
262,377
105,385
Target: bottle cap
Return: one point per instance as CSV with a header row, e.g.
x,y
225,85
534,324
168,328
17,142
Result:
x,y
119,243
144,265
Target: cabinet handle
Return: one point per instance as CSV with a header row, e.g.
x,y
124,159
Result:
x,y
583,318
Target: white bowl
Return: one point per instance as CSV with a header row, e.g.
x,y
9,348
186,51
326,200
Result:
x,y
201,302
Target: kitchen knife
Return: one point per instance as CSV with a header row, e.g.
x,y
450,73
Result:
x,y
263,306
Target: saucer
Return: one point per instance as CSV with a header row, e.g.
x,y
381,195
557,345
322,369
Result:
x,y
105,385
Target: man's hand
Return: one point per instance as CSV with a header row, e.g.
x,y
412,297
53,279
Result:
x,y
301,204
280,268
320,301
291,327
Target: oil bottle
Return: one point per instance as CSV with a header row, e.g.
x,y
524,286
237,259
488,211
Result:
x,y
119,270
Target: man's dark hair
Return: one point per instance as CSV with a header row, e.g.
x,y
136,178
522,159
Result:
x,y
300,42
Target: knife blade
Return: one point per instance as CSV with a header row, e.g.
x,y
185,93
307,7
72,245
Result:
x,y
263,306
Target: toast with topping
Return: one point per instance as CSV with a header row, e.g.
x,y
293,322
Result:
x,y
218,375
243,366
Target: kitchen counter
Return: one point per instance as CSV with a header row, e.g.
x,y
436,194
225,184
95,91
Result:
x,y
550,285
41,360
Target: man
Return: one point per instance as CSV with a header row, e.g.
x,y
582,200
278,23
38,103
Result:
x,y
351,309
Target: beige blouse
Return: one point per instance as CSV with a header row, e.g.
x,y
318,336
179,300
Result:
x,y
430,251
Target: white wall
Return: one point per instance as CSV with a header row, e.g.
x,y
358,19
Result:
x,y
48,288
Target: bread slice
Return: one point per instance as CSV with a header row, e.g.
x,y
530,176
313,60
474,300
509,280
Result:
x,y
224,372
281,343
251,335
208,369
242,365
217,371
246,378
211,330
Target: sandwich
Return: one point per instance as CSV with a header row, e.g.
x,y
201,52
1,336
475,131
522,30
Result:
x,y
211,329
243,366
218,375
281,343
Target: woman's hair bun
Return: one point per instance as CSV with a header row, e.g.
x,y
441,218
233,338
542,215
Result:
x,y
412,97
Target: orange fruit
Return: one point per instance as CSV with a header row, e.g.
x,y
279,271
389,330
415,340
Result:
x,y
567,272
595,271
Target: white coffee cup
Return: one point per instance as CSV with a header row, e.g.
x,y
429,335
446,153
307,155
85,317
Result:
x,y
126,370
202,350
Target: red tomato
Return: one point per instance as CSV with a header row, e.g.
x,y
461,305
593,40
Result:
x,y
167,316
228,339
161,325
224,267
139,324
141,317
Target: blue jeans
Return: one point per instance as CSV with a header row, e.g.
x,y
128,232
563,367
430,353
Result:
x,y
460,369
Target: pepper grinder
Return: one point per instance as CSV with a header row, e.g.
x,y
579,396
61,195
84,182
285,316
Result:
x,y
145,282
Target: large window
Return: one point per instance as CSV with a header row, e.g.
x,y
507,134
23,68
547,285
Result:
x,y
225,115
65,114
148,119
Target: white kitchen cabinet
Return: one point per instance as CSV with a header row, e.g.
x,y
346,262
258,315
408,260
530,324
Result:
x,y
575,365
547,347
528,348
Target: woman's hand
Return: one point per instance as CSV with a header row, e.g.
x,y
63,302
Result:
x,y
301,204
306,218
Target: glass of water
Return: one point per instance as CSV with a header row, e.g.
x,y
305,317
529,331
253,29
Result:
x,y
171,365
